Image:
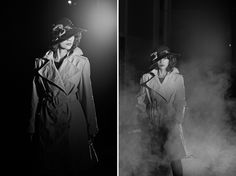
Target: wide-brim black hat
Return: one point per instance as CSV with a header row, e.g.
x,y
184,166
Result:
x,y
160,53
63,30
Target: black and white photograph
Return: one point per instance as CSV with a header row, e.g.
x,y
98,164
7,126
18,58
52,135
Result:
x,y
118,87
59,85
177,88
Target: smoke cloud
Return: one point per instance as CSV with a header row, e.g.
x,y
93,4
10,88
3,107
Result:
x,y
208,131
208,127
131,145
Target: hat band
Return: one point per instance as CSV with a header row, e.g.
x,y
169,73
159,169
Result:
x,y
164,52
61,30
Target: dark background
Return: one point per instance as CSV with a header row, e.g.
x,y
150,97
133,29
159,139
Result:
x,y
175,23
25,31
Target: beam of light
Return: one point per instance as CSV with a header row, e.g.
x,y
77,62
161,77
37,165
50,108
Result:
x,y
99,43
100,18
102,25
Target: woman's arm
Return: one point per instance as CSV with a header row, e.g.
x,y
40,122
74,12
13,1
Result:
x,y
34,105
179,101
86,99
142,96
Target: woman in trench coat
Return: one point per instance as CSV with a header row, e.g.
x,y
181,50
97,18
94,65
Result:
x,y
63,117
162,98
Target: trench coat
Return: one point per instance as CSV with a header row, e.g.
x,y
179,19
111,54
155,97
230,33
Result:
x,y
63,115
164,103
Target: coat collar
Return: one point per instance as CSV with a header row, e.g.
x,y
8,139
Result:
x,y
165,89
60,77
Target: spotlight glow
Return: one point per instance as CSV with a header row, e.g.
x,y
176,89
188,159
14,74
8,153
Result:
x,y
102,24
69,2
99,17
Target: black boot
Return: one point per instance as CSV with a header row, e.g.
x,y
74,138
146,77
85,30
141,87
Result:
x,y
177,168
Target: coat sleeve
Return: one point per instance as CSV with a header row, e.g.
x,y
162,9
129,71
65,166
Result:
x,y
87,100
142,96
179,101
34,97
33,108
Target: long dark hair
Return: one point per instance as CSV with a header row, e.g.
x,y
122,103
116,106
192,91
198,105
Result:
x,y
172,63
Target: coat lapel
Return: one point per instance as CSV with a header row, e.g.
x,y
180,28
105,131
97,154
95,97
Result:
x,y
62,77
50,72
164,89
67,71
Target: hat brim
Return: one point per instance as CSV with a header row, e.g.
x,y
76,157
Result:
x,y
68,34
155,62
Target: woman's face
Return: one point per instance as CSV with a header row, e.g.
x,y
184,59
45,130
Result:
x,y
67,44
163,63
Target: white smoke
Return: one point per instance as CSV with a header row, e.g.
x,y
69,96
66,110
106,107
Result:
x,y
208,130
209,136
